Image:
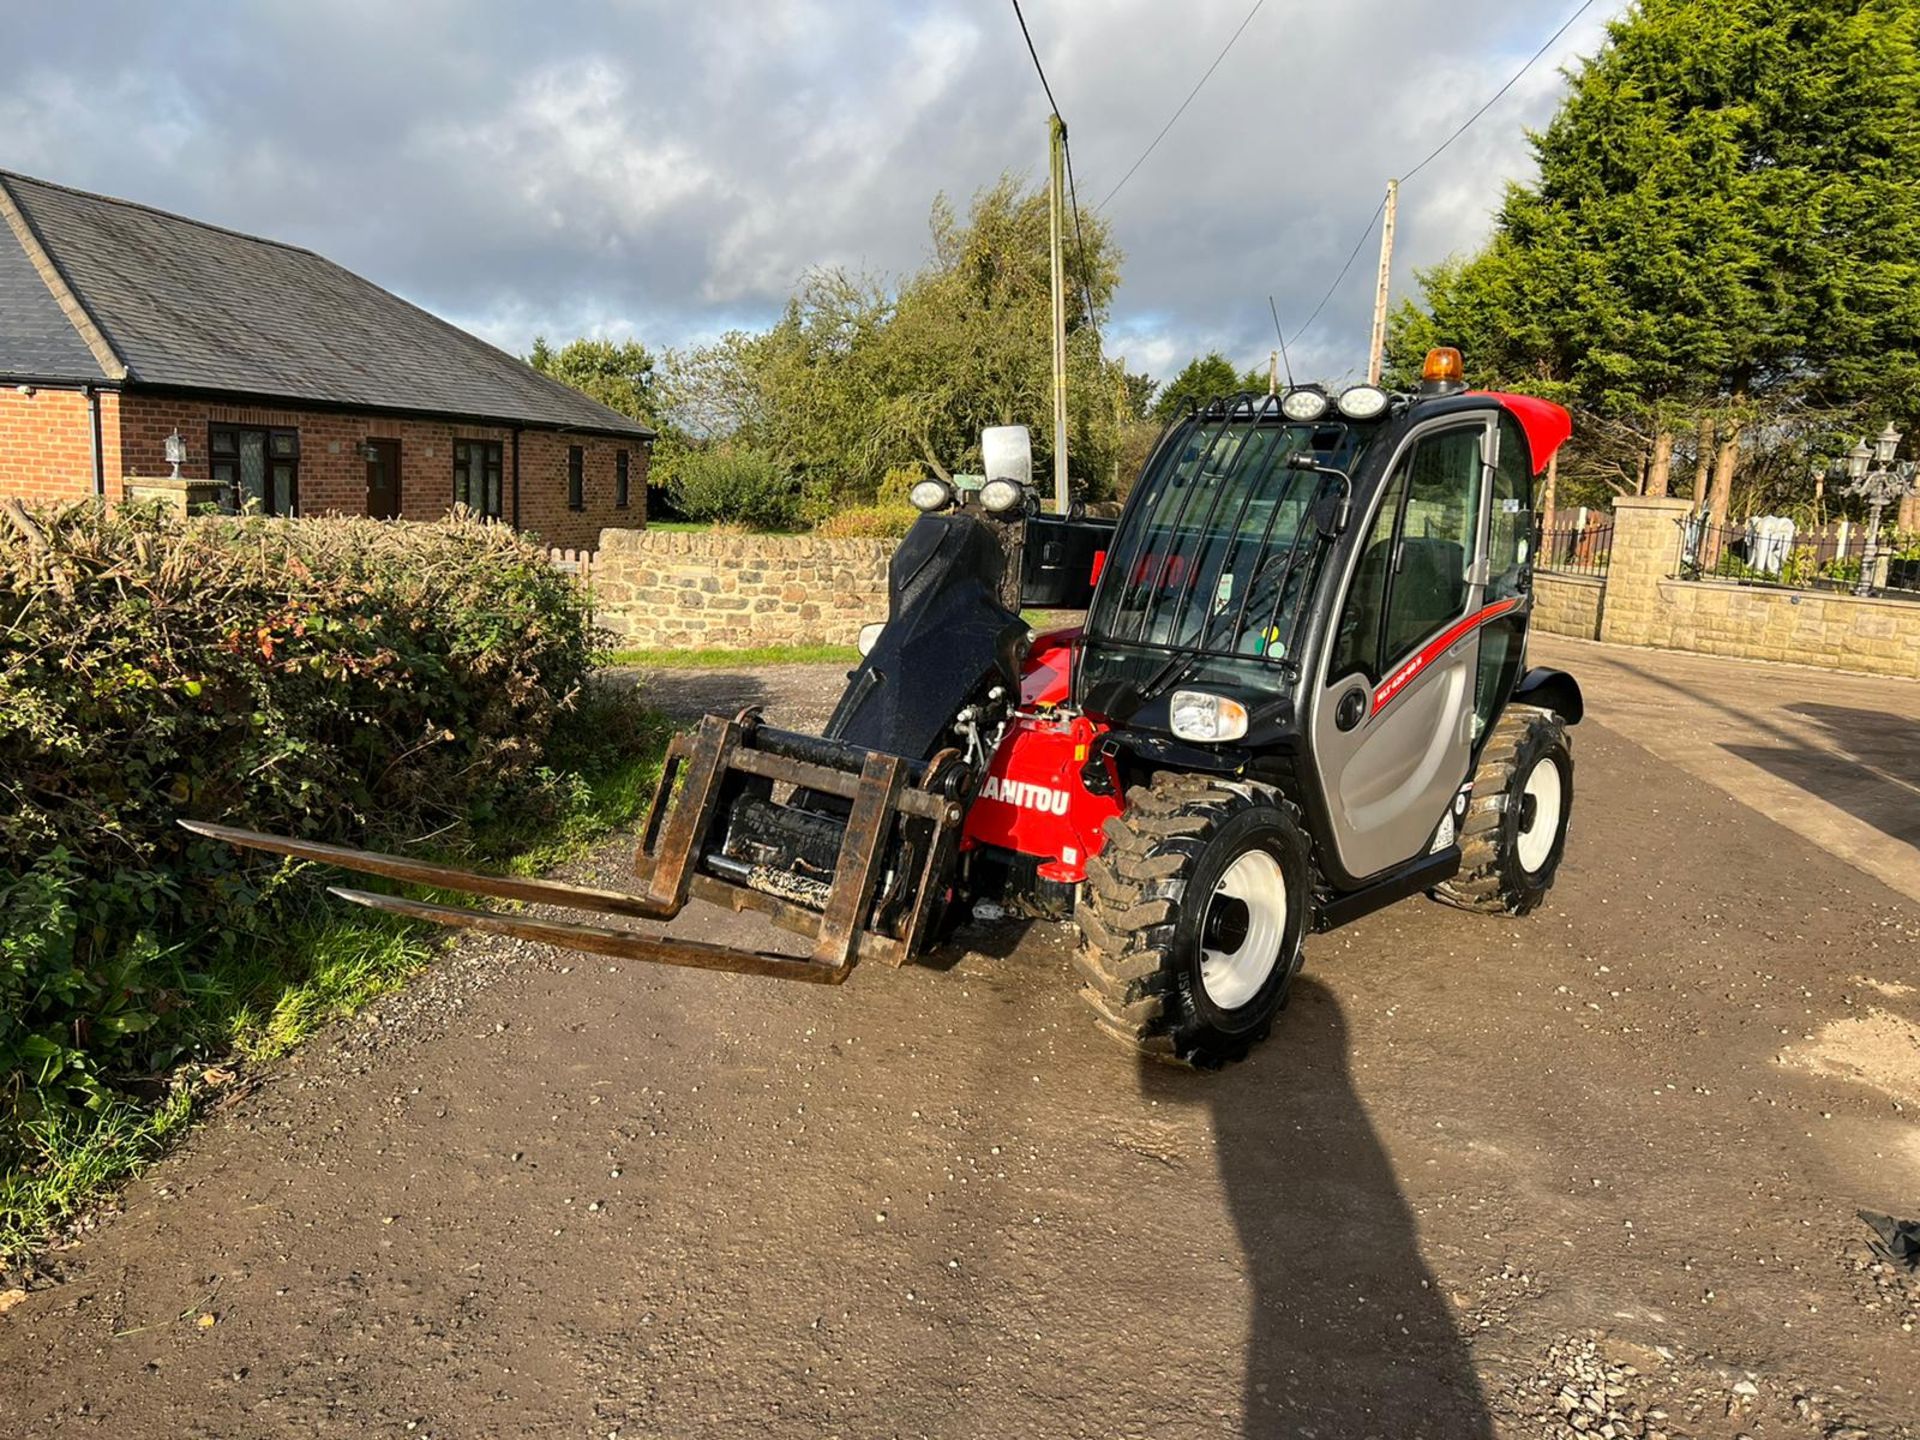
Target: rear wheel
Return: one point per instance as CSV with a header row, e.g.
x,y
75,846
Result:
x,y
1192,918
1516,825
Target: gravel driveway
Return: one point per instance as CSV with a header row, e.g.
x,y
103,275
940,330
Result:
x,y
1593,1172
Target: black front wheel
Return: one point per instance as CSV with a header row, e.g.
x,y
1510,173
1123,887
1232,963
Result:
x,y
1516,826
1192,919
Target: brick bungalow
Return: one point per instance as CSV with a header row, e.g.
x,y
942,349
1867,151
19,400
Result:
x,y
296,386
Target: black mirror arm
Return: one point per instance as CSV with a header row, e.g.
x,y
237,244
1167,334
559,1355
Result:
x,y
1300,460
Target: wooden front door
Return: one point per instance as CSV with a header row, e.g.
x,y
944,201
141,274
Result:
x,y
383,479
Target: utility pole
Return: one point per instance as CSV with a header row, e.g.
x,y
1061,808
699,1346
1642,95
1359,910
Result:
x,y
1377,343
1273,372
1057,220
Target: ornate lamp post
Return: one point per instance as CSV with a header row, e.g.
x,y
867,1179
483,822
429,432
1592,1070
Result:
x,y
1873,475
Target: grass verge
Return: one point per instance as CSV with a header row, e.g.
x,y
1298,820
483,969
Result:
x,y
724,659
317,962
708,527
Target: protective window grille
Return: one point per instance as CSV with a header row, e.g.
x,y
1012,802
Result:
x,y
1216,554
476,476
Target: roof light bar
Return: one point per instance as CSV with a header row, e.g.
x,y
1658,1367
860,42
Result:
x,y
1362,402
1304,404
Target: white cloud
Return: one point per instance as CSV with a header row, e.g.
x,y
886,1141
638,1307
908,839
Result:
x,y
579,167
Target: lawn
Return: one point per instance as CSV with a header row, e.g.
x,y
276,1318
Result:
x,y
718,659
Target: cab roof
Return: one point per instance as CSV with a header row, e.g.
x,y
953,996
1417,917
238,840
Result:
x,y
1545,424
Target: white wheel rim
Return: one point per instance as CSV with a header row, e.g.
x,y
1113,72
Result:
x,y
1540,821
1233,977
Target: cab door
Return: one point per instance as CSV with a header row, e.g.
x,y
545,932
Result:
x,y
1393,719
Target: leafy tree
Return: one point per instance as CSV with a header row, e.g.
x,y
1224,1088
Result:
x,y
1204,377
855,379
1725,227
1139,394
617,374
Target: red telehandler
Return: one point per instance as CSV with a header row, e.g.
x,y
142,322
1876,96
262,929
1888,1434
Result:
x,y
1300,694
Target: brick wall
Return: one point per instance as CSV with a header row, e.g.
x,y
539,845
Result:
x,y
1568,604
656,589
44,455
46,445
333,473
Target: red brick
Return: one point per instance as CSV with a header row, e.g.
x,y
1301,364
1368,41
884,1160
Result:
x,y
46,455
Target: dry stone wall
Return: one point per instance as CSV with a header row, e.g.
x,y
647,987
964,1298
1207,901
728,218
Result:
x,y
658,589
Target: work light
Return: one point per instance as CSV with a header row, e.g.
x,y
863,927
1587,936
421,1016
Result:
x,y
1304,404
1000,496
930,495
1362,402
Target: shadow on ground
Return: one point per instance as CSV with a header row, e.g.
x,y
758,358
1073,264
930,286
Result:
x,y
1348,1333
1869,765
686,695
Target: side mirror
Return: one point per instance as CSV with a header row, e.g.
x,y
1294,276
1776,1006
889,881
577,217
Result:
x,y
1332,514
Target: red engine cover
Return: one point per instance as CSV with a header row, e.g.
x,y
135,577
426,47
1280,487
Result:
x,y
1033,800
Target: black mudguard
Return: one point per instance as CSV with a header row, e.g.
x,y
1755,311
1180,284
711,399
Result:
x,y
947,637
1553,690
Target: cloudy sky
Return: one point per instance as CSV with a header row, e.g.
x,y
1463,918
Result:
x,y
666,170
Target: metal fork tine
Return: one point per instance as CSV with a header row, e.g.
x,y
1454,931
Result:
x,y
422,872
599,940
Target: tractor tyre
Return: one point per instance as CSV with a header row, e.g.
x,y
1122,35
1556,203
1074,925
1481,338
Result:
x,y
1192,918
1516,824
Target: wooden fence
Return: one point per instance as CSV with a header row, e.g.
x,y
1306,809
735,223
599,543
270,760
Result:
x,y
577,563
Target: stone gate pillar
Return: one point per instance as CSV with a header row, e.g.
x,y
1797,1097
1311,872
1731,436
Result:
x,y
1646,550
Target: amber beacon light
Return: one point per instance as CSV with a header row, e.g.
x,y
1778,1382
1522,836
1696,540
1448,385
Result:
x,y
1444,367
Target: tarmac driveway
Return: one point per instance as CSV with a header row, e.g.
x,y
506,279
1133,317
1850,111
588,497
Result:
x,y
1604,1161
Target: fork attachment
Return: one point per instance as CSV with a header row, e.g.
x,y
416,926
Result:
x,y
854,857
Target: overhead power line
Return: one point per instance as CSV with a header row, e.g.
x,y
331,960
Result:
x,y
1346,265
1079,239
1039,69
1494,98
1183,104
1435,153
1079,235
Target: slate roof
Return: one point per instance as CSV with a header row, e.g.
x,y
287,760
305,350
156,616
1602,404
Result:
x,y
36,338
188,305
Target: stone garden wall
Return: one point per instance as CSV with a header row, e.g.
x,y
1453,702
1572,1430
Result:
x,y
1645,605
1568,604
665,589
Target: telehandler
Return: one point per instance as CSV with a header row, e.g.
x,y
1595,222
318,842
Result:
x,y
1300,693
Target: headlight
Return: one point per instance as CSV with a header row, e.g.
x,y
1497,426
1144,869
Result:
x,y
930,495
1000,496
870,635
1303,404
1362,402
1196,715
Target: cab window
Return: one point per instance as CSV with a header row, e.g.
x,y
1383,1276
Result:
x,y
1412,576
1510,531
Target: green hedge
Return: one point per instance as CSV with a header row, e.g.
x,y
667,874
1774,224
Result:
x,y
732,485
357,681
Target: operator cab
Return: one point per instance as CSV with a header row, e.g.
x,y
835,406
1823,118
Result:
x,y
1337,580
